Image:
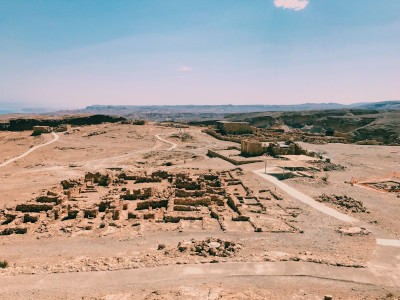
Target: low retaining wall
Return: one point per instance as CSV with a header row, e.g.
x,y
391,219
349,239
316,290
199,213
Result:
x,y
233,161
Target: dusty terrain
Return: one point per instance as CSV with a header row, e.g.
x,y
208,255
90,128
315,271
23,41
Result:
x,y
119,211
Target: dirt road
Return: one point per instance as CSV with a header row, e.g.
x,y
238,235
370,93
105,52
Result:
x,y
306,199
173,145
56,137
326,210
107,280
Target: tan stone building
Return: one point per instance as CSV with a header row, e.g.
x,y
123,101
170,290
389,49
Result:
x,y
62,128
252,148
226,127
41,129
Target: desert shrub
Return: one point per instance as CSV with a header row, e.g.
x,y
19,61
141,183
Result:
x,y
3,264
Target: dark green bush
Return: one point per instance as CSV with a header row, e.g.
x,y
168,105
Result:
x,y
3,264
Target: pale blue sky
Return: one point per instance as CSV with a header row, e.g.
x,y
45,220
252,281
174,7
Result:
x,y
139,52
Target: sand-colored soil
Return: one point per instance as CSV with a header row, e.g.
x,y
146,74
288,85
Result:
x,y
244,237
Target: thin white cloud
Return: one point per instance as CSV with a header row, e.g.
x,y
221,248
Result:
x,y
291,4
185,69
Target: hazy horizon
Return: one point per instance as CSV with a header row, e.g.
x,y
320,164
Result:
x,y
17,108
71,54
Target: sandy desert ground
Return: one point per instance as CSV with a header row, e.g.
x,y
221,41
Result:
x,y
244,237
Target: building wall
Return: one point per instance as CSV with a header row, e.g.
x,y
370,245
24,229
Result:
x,y
235,128
251,148
41,129
62,128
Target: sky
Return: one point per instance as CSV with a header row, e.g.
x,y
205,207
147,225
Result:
x,y
72,53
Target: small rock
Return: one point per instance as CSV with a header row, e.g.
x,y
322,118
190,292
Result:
x,y
214,245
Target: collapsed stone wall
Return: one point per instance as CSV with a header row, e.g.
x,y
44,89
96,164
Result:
x,y
139,194
100,179
345,202
187,184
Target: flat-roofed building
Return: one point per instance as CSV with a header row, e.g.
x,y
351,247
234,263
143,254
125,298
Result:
x,y
41,129
226,127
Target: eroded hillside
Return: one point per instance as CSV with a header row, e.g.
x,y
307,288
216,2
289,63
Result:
x,y
354,124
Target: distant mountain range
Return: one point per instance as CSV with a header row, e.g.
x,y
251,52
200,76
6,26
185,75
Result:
x,y
213,112
192,112
385,105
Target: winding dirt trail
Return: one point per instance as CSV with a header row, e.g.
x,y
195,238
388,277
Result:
x,y
104,162
56,137
173,145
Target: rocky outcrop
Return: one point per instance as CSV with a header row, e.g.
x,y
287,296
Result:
x,y
22,124
344,125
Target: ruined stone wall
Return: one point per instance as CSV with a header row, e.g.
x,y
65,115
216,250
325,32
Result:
x,y
235,128
251,148
41,129
221,137
275,149
205,201
211,153
62,128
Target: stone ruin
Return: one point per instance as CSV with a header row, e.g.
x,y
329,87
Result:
x,y
238,131
389,183
226,127
135,122
38,130
123,199
252,148
257,148
210,247
62,128
289,148
344,202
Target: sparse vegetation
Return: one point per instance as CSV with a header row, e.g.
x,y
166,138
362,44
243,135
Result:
x,y
183,136
3,264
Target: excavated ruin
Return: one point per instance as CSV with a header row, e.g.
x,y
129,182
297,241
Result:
x,y
344,202
117,199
